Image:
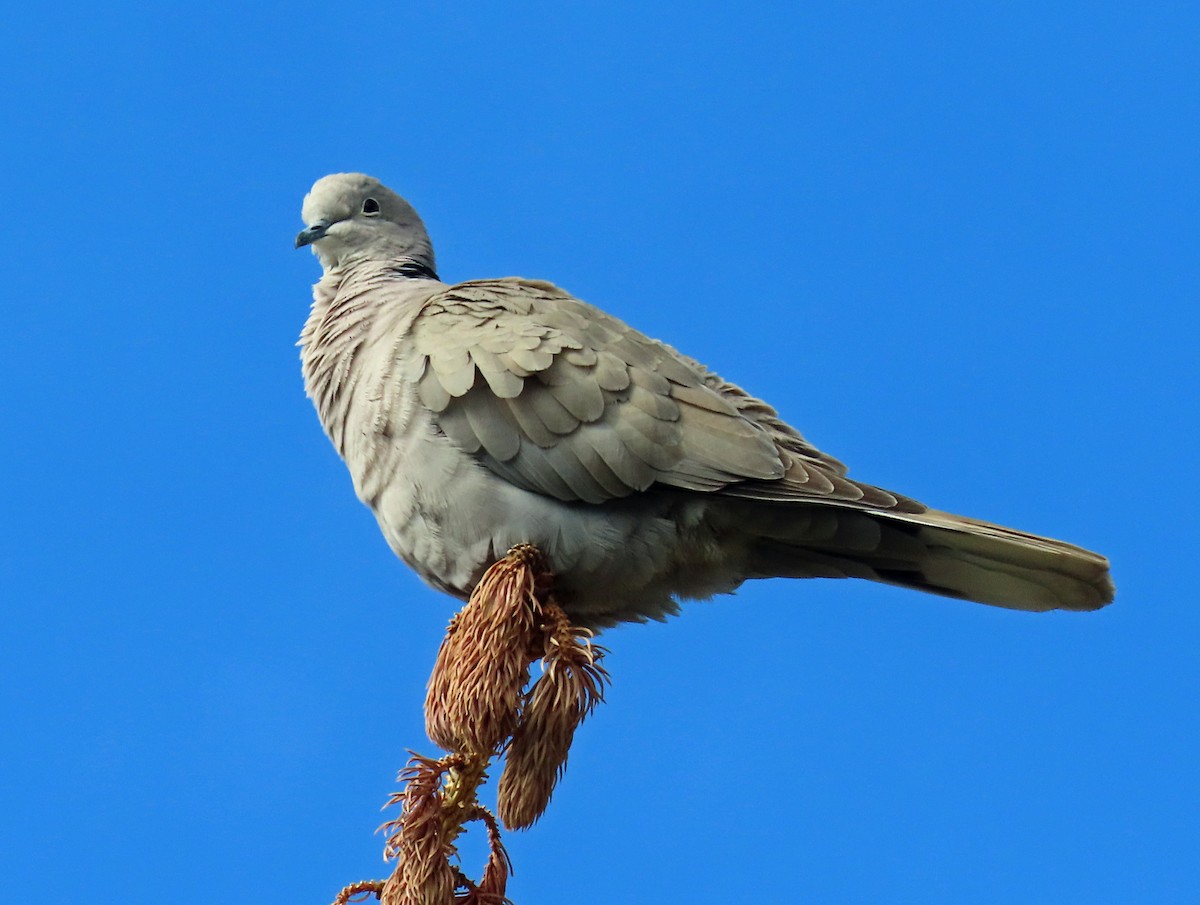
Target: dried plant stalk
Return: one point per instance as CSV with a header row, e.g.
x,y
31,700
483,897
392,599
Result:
x,y
491,889
476,703
570,688
499,865
483,665
459,802
359,892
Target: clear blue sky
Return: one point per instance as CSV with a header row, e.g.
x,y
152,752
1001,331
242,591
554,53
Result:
x,y
956,244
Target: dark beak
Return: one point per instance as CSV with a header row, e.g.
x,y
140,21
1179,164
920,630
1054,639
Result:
x,y
313,233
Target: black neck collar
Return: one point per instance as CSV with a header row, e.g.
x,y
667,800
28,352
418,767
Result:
x,y
417,271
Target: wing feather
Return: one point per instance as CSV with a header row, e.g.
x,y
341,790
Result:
x,y
565,400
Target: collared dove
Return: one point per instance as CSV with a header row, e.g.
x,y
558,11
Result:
x,y
477,416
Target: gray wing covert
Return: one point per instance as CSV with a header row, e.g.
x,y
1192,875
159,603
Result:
x,y
564,400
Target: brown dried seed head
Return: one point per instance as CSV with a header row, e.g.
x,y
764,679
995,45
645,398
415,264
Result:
x,y
419,840
483,665
536,757
572,685
415,884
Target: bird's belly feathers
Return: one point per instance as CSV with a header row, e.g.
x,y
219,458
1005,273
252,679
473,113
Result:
x,y
448,517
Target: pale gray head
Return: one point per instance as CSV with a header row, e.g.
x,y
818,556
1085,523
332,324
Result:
x,y
350,216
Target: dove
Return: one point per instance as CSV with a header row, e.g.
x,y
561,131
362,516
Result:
x,y
477,416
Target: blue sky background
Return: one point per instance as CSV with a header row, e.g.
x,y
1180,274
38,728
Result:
x,y
956,244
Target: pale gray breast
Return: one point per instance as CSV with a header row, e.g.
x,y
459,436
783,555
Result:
x,y
356,357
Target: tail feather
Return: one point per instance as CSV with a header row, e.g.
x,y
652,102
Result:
x,y
931,551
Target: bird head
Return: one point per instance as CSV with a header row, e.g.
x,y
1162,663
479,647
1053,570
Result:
x,y
351,216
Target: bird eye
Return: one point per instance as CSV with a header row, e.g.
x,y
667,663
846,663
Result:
x,y
370,206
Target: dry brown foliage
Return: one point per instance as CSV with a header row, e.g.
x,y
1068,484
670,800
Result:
x,y
359,892
483,665
477,703
569,689
419,841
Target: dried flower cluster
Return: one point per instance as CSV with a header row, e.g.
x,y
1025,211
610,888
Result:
x,y
478,704
569,689
482,668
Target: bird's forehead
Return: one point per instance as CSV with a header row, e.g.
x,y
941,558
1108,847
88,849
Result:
x,y
336,196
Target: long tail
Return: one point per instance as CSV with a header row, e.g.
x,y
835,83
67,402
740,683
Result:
x,y
931,551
